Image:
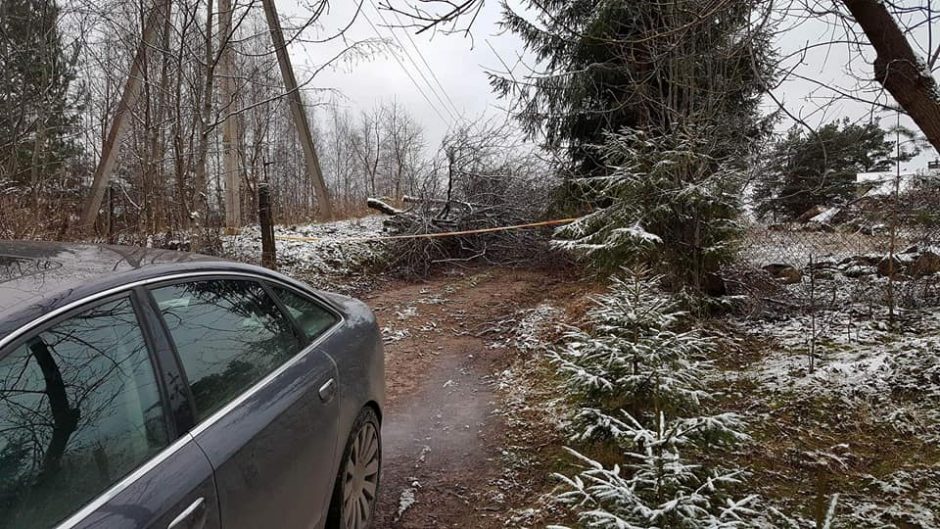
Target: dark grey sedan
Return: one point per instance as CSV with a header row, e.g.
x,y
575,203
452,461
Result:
x,y
153,389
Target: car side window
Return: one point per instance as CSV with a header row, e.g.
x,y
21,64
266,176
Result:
x,y
228,333
312,318
79,410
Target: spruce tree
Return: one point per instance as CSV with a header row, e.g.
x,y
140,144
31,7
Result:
x,y
819,168
667,82
637,378
648,65
37,106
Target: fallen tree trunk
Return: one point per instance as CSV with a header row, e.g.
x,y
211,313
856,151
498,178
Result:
x,y
384,207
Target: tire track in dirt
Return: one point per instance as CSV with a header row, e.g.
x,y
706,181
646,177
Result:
x,y
442,438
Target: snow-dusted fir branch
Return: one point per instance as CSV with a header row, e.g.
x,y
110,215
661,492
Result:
x,y
656,487
632,357
670,200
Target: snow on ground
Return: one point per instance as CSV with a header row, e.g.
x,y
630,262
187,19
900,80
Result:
x,y
826,216
406,500
330,254
534,325
867,384
850,356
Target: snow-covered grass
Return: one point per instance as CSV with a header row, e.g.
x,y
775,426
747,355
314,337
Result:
x,y
841,403
854,440
335,251
853,356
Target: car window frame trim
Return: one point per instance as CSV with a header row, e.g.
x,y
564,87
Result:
x,y
184,437
130,286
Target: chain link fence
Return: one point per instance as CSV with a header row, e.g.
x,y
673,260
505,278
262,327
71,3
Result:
x,y
881,253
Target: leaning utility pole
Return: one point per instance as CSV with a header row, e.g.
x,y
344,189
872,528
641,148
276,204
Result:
x,y
132,88
230,137
297,109
230,133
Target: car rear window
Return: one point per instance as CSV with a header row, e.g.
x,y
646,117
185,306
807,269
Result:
x,y
310,316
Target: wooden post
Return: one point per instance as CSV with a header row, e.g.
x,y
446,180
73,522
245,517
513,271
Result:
x,y
132,89
230,133
297,109
266,220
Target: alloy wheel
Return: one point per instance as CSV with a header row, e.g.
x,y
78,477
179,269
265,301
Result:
x,y
360,479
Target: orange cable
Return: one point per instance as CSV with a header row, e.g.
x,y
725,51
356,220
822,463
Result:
x,y
432,235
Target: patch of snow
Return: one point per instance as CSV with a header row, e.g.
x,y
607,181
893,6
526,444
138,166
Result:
x,y
336,247
530,331
853,356
406,313
405,501
826,216
390,335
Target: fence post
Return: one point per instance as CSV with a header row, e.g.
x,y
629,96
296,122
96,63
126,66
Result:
x,y
266,219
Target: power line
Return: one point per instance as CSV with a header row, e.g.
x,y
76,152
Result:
x,y
414,63
410,77
423,59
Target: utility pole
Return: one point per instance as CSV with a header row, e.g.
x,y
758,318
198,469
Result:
x,y
230,132
132,88
297,109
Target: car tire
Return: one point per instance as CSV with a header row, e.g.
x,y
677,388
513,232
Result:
x,y
355,492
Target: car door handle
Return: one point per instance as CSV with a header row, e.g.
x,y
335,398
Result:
x,y
194,517
328,390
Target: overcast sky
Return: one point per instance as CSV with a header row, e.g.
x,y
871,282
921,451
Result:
x,y
460,63
459,87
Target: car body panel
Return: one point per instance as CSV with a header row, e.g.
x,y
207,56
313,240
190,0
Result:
x,y
155,495
273,452
359,356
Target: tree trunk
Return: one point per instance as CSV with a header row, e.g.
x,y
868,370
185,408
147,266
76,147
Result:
x,y
231,138
200,199
898,68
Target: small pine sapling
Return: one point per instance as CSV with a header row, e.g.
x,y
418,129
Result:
x,y
657,487
639,381
632,358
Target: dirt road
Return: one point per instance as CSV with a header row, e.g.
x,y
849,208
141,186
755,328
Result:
x,y
443,431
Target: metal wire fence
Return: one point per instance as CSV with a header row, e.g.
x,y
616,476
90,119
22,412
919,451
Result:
x,y
804,265
795,246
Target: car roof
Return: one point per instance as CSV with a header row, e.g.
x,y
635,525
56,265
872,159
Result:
x,y
38,277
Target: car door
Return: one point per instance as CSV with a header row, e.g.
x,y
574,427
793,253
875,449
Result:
x,y
88,438
265,405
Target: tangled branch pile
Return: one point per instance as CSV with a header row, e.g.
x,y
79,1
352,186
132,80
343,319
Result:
x,y
487,184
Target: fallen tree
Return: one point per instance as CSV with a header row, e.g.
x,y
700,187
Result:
x,y
487,184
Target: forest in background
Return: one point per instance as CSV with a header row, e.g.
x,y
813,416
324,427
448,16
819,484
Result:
x,y
65,65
